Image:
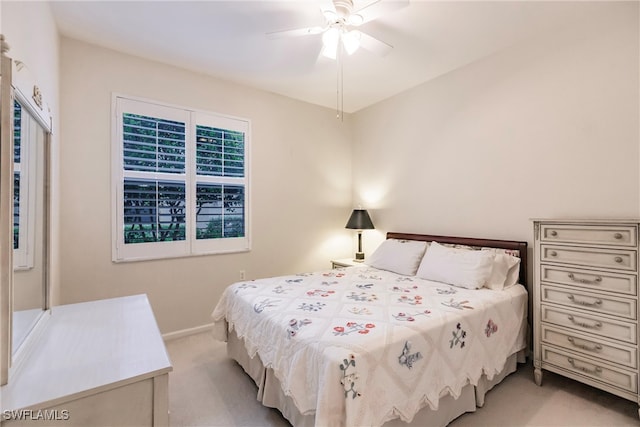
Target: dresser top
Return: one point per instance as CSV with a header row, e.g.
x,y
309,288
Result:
x,y
595,220
87,348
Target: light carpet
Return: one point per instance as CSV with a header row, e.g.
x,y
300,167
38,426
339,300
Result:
x,y
206,388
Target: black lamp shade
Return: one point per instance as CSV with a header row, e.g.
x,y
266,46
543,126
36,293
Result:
x,y
360,220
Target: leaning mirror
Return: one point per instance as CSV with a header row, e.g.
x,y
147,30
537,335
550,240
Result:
x,y
25,130
29,228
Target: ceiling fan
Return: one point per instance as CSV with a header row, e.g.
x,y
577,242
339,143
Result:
x,y
342,20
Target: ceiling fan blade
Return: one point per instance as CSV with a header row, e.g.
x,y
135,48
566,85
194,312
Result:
x,y
298,32
374,45
327,6
378,8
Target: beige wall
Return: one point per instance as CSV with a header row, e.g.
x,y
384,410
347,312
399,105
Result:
x,y
32,35
544,129
300,185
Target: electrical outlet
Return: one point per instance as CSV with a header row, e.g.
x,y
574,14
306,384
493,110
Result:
x,y
242,274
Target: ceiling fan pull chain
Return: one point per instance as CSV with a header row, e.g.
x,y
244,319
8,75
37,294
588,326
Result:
x,y
338,88
339,85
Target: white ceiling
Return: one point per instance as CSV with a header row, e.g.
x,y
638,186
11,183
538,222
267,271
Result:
x,y
226,39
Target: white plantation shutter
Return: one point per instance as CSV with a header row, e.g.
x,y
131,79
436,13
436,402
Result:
x,y
220,211
221,177
152,144
219,152
180,181
154,211
154,197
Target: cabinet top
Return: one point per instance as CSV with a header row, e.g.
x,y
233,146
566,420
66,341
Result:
x,y
595,220
87,348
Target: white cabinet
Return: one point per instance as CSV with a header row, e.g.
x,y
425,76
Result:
x,y
96,363
586,302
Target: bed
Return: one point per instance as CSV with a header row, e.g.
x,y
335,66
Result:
x,y
416,335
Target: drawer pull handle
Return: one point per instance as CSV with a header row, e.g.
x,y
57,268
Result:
x,y
595,281
596,325
553,253
595,347
585,303
595,371
554,233
618,259
617,236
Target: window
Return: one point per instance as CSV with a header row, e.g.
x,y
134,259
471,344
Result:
x,y
180,181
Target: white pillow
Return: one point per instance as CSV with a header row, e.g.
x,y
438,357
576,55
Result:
x,y
504,266
458,267
399,256
513,276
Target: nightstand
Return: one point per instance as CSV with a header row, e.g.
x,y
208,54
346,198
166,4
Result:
x,y
346,262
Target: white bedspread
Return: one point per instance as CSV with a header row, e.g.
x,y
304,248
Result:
x,y
359,346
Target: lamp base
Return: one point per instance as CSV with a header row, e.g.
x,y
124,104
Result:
x,y
359,257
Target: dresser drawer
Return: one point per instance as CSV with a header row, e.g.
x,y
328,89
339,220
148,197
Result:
x,y
620,259
592,302
590,323
614,282
592,369
613,235
590,345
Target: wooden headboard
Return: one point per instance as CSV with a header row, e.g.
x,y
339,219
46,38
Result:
x,y
521,247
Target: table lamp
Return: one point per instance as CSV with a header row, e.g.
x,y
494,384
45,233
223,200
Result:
x,y
359,220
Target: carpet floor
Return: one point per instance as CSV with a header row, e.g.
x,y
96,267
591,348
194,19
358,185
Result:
x,y
206,388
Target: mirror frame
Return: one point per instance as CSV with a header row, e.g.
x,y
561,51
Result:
x,y
6,210
15,84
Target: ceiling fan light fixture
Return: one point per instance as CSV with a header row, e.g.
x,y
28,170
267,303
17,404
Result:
x,y
351,41
330,40
355,20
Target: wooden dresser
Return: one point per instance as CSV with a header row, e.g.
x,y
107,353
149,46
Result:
x,y
586,302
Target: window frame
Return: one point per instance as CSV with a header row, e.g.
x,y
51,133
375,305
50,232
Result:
x,y
122,252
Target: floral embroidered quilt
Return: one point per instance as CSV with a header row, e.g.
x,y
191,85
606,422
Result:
x,y
361,346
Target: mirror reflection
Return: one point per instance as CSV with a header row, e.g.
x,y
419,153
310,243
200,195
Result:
x,y
29,234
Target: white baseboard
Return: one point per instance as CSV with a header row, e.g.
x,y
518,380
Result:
x,y
186,332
